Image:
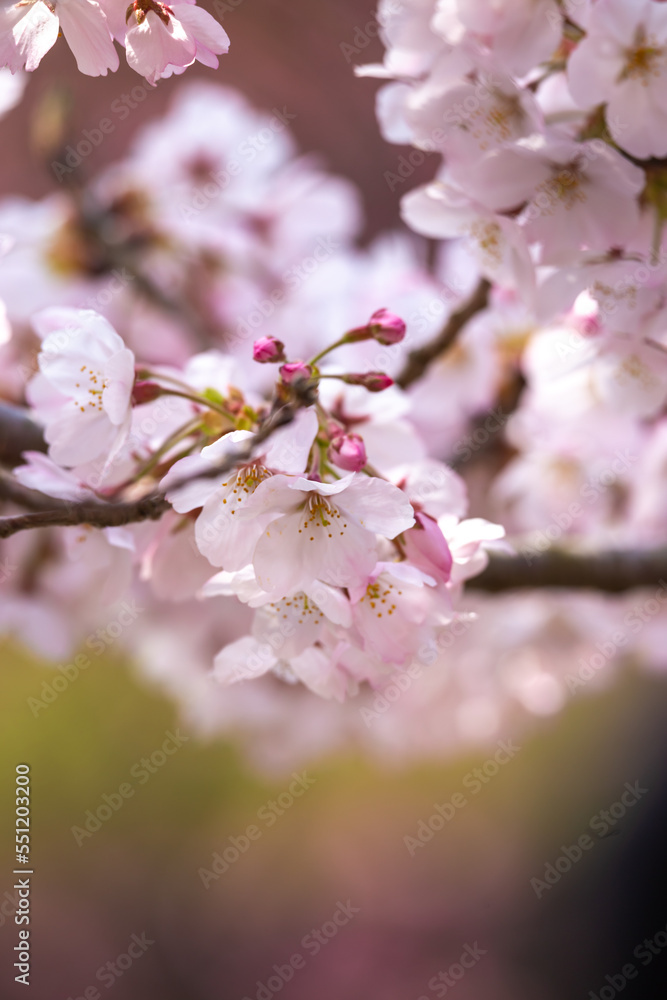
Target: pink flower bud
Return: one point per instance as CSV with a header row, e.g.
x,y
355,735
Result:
x,y
145,392
426,547
267,350
348,452
295,370
386,327
373,381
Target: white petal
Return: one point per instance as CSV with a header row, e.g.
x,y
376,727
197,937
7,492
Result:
x,y
210,36
289,447
241,660
152,46
377,506
27,32
316,670
76,437
85,28
116,396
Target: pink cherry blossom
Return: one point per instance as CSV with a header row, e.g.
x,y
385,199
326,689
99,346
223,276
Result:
x,y
28,29
566,188
519,33
347,451
622,62
323,531
268,349
161,38
220,531
386,327
390,608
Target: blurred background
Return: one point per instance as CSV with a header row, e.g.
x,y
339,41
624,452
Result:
x,y
340,847
151,869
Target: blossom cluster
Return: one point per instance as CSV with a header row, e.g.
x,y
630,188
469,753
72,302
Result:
x,y
159,317
349,566
548,121
341,543
159,40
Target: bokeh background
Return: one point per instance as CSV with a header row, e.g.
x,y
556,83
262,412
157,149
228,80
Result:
x,y
344,839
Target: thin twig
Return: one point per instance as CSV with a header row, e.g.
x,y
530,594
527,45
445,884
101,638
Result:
x,y
419,360
104,514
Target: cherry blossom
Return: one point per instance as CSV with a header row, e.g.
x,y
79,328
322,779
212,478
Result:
x,y
160,39
548,401
91,373
221,532
29,29
519,33
622,63
323,531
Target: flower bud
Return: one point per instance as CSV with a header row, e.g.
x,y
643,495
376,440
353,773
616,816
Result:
x,y
348,452
373,381
294,370
386,327
426,547
267,350
145,392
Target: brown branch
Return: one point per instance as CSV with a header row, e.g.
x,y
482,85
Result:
x,y
14,492
106,514
610,572
94,513
18,433
419,360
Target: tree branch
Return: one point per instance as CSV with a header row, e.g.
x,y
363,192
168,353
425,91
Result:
x,y
18,433
611,572
107,514
419,360
11,491
94,513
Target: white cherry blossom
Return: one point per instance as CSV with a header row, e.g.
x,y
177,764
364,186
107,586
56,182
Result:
x,y
222,536
622,62
90,373
323,531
